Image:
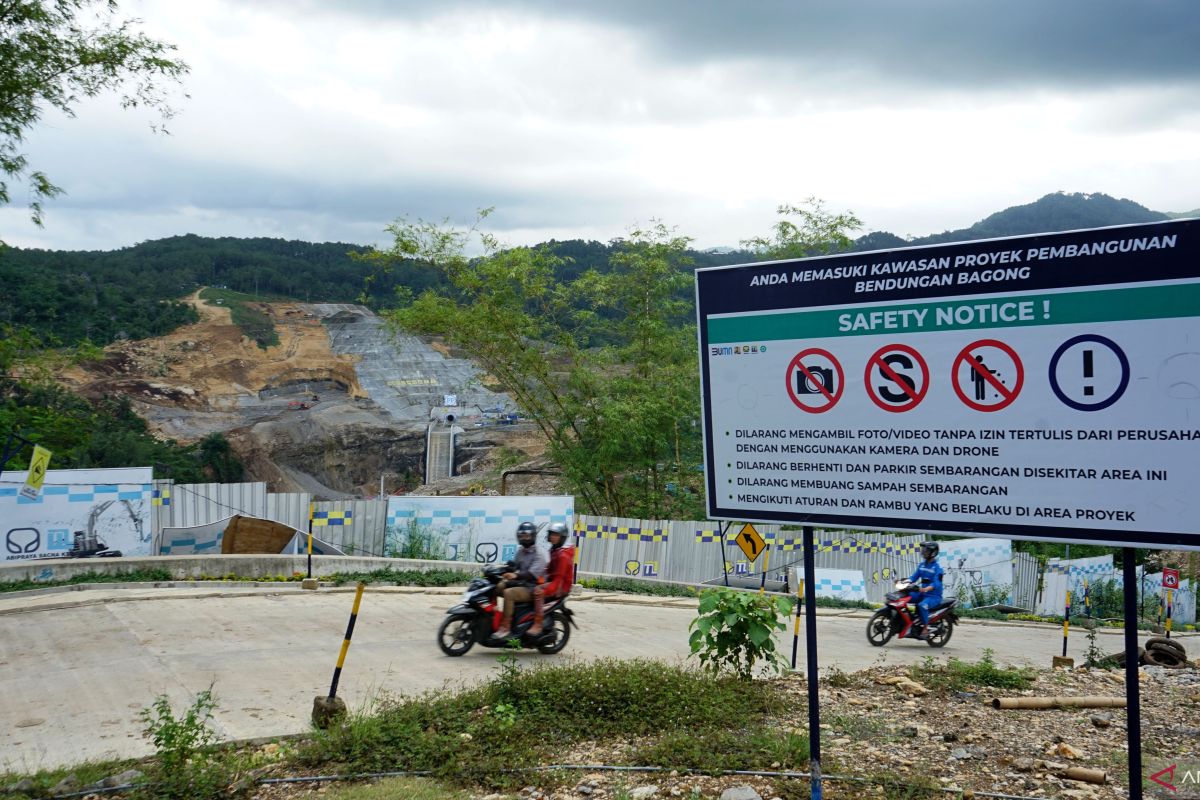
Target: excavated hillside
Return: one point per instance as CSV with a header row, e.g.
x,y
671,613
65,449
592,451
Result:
x,y
335,405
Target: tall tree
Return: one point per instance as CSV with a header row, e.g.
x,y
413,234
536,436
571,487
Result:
x,y
806,230
50,57
619,416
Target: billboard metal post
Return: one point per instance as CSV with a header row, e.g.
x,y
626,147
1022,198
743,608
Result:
x,y
810,646
1133,710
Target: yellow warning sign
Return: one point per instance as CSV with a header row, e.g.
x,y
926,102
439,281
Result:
x,y
37,472
750,541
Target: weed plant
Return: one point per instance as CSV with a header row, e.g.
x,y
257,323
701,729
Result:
x,y
525,717
956,675
715,749
404,577
133,576
187,765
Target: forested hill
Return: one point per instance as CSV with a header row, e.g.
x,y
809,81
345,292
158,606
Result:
x,y
134,292
1054,212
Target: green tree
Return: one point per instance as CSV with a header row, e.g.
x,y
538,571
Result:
x,y
806,230
51,58
619,416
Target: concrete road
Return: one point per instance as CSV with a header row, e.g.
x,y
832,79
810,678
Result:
x,y
78,667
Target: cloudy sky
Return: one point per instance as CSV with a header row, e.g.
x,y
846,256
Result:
x,y
324,120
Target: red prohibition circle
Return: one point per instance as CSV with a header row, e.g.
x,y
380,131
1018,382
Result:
x,y
1008,395
914,398
831,397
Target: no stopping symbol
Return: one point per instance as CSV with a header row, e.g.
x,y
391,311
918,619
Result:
x,y
987,375
897,378
815,380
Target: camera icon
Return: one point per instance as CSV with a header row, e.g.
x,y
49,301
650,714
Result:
x,y
818,381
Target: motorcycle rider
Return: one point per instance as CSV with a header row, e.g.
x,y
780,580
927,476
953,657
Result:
x,y
929,574
528,570
561,574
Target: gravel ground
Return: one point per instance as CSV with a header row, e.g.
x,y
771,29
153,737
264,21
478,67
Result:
x,y
874,724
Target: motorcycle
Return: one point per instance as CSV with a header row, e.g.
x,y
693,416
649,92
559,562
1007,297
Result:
x,y
895,618
478,616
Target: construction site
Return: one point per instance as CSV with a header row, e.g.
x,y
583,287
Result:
x,y
342,406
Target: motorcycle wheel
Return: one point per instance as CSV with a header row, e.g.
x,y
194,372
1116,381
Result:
x,y
879,628
941,634
456,635
555,635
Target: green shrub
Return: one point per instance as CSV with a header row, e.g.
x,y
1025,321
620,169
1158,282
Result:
x,y
634,586
153,575
468,737
734,631
956,675
186,765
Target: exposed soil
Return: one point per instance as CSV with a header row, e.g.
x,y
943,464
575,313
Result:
x,y
295,413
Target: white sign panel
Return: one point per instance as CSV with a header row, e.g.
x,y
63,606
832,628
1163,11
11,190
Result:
x,y
1038,387
477,528
111,506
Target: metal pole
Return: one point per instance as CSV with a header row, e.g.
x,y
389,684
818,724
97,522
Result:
x,y
796,629
1133,707
766,559
1067,614
1168,613
337,671
724,563
1067,619
310,519
810,645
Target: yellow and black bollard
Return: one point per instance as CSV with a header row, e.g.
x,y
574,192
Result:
x,y
328,709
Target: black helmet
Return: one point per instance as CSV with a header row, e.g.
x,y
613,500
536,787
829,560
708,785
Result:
x,y
526,534
557,529
929,550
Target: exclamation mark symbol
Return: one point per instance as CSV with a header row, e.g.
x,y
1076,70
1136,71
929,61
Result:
x,y
1088,372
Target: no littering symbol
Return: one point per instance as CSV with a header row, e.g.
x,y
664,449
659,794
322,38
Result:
x,y
987,375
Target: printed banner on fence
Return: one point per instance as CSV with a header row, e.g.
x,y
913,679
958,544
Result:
x,y
477,528
77,512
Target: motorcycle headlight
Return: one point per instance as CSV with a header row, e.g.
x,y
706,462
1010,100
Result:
x,y
466,595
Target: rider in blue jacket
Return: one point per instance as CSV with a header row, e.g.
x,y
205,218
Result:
x,y
929,575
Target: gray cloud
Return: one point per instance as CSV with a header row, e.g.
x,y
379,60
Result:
x,y
942,42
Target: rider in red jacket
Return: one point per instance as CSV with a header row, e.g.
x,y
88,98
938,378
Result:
x,y
561,573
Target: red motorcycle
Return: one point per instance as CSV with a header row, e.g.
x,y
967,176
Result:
x,y
898,620
477,617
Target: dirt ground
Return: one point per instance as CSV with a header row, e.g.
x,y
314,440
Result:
x,y
211,366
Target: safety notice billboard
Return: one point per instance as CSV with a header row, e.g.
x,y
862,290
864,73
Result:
x,y
1034,387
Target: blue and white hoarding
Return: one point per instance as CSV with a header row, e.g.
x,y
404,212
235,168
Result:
x,y
112,505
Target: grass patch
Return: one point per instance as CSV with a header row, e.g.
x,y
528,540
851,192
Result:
x,y
89,772
404,577
254,323
956,675
638,587
715,749
134,576
391,788
473,736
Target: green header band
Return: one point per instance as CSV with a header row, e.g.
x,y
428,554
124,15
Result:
x,y
1016,311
